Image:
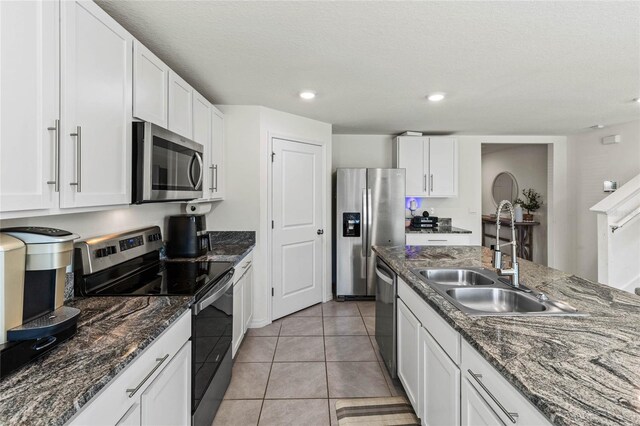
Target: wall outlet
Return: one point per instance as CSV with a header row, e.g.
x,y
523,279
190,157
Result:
x,y
610,185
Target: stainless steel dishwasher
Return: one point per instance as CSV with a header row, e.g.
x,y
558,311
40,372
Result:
x,y
386,290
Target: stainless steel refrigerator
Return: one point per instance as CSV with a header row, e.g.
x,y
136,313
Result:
x,y
369,211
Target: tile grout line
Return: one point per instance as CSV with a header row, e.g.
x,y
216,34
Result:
x,y
326,366
269,375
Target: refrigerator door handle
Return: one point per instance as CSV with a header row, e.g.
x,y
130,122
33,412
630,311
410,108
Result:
x,y
369,222
364,224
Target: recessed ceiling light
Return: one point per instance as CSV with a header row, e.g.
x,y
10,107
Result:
x,y
436,97
598,126
307,95
636,100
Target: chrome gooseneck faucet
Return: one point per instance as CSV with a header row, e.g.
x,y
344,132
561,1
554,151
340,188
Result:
x,y
514,271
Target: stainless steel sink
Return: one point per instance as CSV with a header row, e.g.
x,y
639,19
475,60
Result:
x,y
498,300
480,292
456,277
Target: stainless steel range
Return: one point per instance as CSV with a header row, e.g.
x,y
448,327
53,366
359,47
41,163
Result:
x,y
128,264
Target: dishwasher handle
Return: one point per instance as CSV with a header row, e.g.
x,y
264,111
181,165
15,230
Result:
x,y
384,273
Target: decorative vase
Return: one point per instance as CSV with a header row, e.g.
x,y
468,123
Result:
x,y
518,213
528,217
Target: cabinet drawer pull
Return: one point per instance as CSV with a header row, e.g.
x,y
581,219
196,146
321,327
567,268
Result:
x,y
247,265
478,378
159,362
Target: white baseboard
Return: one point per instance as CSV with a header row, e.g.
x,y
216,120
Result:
x,y
259,323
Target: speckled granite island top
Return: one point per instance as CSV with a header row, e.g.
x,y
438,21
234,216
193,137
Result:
x,y
576,370
112,331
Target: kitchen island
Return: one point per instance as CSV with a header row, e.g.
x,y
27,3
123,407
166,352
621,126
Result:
x,y
582,370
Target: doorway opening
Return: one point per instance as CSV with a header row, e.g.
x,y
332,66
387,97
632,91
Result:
x,y
517,172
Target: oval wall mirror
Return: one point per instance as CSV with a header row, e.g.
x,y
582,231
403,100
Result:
x,y
505,187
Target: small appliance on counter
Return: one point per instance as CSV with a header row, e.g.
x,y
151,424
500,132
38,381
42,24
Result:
x,y
33,319
187,236
128,264
424,222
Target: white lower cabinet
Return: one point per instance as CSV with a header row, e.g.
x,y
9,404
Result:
x,y
167,400
446,380
242,300
439,384
408,353
155,389
475,410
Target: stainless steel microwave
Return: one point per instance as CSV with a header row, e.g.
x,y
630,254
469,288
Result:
x,y
166,166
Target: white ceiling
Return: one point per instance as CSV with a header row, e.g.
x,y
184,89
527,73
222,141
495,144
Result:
x,y
507,67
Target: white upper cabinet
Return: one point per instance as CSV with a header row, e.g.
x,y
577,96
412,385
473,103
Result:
x,y
96,107
443,167
150,86
217,166
431,165
29,126
180,106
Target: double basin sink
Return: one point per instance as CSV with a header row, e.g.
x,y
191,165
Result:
x,y
481,292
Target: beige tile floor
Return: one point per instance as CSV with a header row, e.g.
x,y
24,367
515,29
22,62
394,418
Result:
x,y
292,371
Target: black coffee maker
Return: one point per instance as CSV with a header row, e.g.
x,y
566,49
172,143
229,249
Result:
x,y
187,236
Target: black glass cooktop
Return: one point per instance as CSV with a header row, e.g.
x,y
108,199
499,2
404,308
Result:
x,y
164,279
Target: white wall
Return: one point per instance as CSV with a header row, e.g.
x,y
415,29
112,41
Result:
x,y
372,151
528,164
248,133
590,163
104,222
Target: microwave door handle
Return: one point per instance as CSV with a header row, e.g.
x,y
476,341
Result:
x,y
199,158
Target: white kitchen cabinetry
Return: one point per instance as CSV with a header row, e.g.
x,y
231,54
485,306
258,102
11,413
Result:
x,y
505,401
475,411
431,165
167,400
154,389
419,239
439,384
95,140
242,300
180,106
457,385
408,335
216,185
29,111
150,86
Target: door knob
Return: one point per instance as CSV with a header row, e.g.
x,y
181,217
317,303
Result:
x,y
320,231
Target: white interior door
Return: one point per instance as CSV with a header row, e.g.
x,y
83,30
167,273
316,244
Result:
x,y
298,226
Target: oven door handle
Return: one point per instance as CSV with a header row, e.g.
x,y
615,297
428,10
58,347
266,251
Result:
x,y
214,295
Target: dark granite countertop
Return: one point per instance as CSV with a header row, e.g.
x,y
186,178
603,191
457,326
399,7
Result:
x,y
112,331
442,229
576,370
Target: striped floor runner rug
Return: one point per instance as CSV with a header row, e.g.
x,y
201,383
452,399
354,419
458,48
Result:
x,y
375,412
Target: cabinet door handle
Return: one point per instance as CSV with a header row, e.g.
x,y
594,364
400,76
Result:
x,y
478,378
78,136
212,177
159,362
56,156
431,182
424,183
215,167
247,265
